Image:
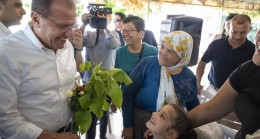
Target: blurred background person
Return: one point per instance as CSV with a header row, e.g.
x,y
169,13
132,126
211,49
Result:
x,y
149,38
118,20
11,13
226,27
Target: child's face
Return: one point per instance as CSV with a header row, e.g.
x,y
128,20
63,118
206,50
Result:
x,y
161,121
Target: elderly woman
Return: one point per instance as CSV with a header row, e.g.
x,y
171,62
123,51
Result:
x,y
158,81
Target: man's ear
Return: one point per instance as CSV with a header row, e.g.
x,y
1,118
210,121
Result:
x,y
35,17
172,134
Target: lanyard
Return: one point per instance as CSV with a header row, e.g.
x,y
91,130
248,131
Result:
x,y
141,53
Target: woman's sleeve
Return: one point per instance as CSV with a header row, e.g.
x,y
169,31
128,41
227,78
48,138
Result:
x,y
129,93
193,100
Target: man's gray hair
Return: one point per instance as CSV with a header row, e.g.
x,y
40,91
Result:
x,y
44,6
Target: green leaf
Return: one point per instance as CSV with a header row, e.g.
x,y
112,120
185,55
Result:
x,y
96,106
85,66
101,84
120,76
85,101
96,68
99,87
105,106
115,93
83,120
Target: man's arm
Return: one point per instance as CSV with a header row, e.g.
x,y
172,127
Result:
x,y
199,74
216,108
113,40
53,135
77,42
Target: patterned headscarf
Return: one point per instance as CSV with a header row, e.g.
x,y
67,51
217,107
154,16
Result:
x,y
182,43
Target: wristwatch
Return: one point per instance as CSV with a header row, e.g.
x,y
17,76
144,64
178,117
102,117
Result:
x,y
77,49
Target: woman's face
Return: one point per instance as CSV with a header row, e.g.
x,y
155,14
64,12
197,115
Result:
x,y
161,121
131,35
167,56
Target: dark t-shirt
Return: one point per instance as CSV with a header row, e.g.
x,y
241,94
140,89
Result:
x,y
149,38
246,81
224,59
122,42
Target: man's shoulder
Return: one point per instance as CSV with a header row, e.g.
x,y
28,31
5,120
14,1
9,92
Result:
x,y
16,38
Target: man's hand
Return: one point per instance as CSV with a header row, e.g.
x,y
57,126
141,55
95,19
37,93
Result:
x,y
53,135
85,18
77,40
127,133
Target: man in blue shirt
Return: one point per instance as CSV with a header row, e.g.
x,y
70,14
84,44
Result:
x,y
227,53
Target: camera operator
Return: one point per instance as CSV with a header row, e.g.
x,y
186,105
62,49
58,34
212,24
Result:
x,y
101,45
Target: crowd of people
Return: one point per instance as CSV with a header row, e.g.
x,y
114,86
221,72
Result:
x,y
40,62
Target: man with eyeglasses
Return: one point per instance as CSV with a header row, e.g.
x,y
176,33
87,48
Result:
x,y
226,54
11,13
37,69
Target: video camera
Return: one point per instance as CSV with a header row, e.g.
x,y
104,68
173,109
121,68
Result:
x,y
95,21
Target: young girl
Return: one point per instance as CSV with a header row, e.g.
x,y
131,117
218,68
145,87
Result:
x,y
171,122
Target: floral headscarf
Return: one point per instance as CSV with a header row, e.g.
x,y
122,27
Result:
x,y
182,43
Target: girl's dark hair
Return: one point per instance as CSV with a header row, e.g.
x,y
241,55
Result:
x,y
137,21
182,124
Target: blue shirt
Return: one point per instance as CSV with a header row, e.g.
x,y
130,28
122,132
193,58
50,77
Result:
x,y
224,59
143,92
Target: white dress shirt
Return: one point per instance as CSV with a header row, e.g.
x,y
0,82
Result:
x,y
33,85
4,31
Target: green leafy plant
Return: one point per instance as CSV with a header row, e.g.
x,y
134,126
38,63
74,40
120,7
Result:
x,y
93,96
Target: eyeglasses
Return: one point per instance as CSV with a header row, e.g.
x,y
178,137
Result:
x,y
64,28
127,31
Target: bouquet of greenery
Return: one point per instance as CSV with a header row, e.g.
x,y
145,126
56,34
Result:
x,y
93,95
